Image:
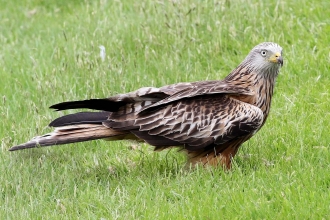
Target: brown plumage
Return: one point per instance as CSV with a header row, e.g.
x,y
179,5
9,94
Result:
x,y
209,120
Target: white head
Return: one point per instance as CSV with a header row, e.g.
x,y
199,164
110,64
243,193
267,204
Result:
x,y
265,57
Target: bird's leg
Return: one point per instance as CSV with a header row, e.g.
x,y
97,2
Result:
x,y
226,157
213,158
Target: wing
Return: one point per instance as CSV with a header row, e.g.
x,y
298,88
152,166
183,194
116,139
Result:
x,y
145,96
195,115
194,123
200,89
151,97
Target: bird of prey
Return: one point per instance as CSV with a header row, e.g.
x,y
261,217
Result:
x,y
209,120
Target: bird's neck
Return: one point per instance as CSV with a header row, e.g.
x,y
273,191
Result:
x,y
260,84
263,89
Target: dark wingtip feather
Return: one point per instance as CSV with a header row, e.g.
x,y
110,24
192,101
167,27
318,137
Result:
x,y
96,104
80,118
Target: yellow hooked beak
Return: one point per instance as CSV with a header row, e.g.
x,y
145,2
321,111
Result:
x,y
276,58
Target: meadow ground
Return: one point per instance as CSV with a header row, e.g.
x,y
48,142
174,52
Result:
x,y
49,53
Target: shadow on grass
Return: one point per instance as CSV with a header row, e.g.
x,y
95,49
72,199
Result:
x,y
92,163
102,165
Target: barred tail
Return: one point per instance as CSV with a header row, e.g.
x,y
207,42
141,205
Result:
x,y
77,127
70,134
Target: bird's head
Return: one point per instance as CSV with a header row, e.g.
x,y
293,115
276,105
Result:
x,y
265,56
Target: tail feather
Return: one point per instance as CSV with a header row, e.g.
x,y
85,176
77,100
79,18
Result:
x,y
70,134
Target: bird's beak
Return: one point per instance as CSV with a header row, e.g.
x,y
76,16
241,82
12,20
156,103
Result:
x,y
276,58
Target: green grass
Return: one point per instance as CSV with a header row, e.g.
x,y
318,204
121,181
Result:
x,y
49,53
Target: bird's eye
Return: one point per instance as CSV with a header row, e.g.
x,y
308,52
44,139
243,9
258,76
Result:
x,y
263,53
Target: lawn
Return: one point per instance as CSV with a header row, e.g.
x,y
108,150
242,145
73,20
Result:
x,y
50,53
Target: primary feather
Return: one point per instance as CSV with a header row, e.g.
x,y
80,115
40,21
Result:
x,y
209,120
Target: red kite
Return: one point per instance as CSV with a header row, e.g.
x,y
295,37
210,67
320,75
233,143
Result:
x,y
209,120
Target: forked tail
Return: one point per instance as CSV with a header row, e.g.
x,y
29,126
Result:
x,y
79,127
